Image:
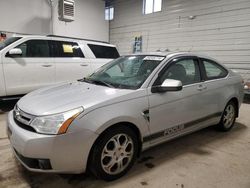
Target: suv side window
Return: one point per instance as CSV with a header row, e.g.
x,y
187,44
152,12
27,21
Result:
x,y
185,70
107,52
213,70
35,48
66,49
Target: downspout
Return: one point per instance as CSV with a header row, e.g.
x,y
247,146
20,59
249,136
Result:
x,y
51,16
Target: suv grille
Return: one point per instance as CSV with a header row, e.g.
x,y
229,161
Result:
x,y
23,119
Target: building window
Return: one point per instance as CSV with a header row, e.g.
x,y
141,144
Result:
x,y
150,6
109,13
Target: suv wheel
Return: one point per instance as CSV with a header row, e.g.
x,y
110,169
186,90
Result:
x,y
228,117
114,153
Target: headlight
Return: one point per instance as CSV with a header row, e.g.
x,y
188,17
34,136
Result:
x,y
55,124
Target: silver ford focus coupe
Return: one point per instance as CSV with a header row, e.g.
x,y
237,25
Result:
x,y
102,123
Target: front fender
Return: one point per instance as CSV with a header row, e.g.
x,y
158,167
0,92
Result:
x,y
130,111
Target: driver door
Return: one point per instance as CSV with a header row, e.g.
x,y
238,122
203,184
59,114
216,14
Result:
x,y
169,111
31,70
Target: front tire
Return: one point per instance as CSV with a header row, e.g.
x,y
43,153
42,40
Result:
x,y
114,153
228,117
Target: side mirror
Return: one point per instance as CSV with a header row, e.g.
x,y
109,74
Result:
x,y
15,52
168,85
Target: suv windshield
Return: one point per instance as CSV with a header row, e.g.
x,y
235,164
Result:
x,y
127,72
8,41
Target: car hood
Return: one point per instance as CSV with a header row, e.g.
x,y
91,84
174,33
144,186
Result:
x,y
60,98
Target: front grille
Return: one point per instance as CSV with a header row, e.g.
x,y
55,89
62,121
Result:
x,y
24,126
23,119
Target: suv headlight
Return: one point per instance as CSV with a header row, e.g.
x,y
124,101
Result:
x,y
55,124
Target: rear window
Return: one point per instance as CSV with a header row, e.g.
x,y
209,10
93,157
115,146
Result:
x,y
214,70
104,51
66,49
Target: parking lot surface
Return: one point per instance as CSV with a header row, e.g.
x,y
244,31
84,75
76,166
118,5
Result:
x,y
203,159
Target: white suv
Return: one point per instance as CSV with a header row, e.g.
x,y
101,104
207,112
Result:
x,y
30,62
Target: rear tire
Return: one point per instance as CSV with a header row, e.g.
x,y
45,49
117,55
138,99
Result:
x,y
114,153
228,117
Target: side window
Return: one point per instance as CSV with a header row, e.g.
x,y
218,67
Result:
x,y
185,70
104,51
213,70
35,48
67,49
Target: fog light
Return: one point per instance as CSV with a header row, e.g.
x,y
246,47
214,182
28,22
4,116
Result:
x,y
44,164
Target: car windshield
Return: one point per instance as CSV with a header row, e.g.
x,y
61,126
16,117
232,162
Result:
x,y
8,41
127,72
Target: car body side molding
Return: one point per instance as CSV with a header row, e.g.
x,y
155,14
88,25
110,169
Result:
x,y
175,129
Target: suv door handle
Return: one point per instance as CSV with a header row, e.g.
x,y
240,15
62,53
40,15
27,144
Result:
x,y
201,87
84,65
46,65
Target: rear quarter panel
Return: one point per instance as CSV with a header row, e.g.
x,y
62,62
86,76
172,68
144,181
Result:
x,y
94,62
97,63
233,88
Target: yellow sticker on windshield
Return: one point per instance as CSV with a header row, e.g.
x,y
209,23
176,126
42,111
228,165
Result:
x,y
67,48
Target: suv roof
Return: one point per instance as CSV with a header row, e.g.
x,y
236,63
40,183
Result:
x,y
62,37
77,38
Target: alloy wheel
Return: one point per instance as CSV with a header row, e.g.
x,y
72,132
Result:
x,y
117,154
229,116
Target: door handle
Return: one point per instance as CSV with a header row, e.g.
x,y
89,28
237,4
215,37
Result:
x,y
46,65
84,65
201,87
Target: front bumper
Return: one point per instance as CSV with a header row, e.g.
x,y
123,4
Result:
x,y
67,153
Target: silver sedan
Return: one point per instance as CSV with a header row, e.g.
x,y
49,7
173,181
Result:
x,y
103,122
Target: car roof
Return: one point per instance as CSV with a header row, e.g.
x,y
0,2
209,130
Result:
x,y
172,54
169,55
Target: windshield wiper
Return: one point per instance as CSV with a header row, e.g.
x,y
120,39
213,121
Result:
x,y
84,80
97,82
100,82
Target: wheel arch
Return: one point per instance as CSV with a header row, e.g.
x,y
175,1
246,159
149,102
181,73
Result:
x,y
132,126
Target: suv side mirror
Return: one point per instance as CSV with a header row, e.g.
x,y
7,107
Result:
x,y
168,85
15,52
